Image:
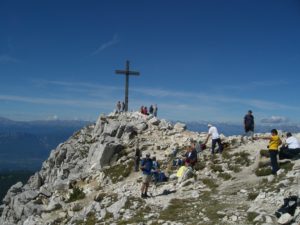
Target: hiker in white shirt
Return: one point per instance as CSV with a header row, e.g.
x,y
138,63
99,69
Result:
x,y
215,138
291,149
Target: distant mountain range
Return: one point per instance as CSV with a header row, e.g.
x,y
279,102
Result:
x,y
229,129
25,145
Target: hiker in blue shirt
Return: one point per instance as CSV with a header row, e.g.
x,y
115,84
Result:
x,y
146,167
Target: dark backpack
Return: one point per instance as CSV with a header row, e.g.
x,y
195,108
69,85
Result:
x,y
289,206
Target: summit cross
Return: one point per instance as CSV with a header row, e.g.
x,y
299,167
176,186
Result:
x,y
127,73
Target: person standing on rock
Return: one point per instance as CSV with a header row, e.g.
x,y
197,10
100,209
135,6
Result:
x,y
123,107
146,167
151,110
274,143
249,125
155,110
215,138
118,107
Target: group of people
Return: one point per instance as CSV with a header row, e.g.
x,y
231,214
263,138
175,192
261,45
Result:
x,y
152,110
290,148
150,172
150,167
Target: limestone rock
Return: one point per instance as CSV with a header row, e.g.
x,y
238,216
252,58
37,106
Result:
x,y
180,127
285,219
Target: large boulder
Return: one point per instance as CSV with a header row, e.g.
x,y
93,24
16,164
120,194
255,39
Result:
x,y
101,153
180,127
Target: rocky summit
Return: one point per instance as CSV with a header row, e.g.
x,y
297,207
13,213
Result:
x,y
90,179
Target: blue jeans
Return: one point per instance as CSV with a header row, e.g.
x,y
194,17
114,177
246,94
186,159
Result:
x,y
213,145
274,163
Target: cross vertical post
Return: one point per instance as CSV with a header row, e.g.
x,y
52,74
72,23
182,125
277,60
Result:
x,y
127,73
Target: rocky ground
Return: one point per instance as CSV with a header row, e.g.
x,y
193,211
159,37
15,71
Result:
x,y
89,179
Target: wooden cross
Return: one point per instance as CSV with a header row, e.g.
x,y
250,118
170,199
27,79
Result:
x,y
127,72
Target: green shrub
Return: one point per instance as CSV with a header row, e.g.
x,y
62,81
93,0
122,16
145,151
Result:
x,y
211,183
266,171
200,165
216,168
118,172
288,166
234,168
225,176
77,194
252,195
264,153
251,216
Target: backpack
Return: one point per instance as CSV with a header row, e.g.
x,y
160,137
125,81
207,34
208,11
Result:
x,y
289,206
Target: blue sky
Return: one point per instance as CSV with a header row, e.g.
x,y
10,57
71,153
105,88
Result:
x,y
199,60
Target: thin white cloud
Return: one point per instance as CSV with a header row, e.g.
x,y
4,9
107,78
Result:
x,y
163,95
8,59
115,40
275,120
56,101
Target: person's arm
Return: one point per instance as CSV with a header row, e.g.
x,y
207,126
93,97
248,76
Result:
x,y
207,138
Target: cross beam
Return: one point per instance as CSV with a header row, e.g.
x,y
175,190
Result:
x,y
127,73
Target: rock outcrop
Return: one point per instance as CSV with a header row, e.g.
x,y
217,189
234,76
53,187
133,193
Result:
x,y
89,179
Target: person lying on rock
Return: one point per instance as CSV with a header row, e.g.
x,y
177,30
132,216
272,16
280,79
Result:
x,y
274,143
291,148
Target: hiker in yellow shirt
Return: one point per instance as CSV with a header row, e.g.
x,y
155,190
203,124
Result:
x,y
274,143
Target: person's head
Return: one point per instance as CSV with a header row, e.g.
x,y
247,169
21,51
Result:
x,y
209,125
154,158
147,155
274,132
289,134
249,112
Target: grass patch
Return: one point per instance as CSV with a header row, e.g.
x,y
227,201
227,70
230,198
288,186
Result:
x,y
200,166
216,168
211,183
251,216
262,164
77,194
235,168
263,172
264,153
138,218
119,172
225,176
226,155
252,196
287,166
242,158
91,219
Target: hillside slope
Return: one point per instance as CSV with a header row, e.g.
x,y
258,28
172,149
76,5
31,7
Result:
x,y
89,179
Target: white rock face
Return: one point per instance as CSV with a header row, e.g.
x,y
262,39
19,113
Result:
x,y
285,219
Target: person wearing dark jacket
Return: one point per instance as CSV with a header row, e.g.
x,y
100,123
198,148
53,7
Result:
x,y
249,124
146,167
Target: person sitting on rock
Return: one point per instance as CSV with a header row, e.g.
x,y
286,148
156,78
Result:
x,y
146,167
190,156
155,169
184,172
291,149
